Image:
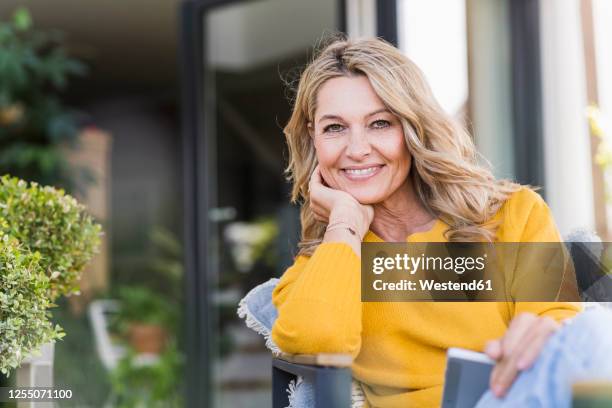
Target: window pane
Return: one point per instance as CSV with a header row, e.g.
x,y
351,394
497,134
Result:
x,y
252,47
464,53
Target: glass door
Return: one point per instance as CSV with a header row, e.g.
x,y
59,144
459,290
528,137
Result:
x,y
252,52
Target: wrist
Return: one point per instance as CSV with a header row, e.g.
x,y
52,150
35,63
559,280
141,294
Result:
x,y
345,222
343,235
350,216
343,225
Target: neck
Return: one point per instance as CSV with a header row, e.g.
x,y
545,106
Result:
x,y
401,215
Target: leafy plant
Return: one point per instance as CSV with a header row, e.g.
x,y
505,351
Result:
x,y
46,239
152,383
167,263
52,223
142,305
24,320
34,124
598,127
148,385
251,242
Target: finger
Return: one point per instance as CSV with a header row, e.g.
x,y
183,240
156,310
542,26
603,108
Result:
x,y
493,349
503,375
317,185
316,173
533,347
322,179
316,177
320,216
525,353
520,325
318,208
506,370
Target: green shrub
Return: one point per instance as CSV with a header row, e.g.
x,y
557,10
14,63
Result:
x,y
156,384
48,221
142,305
35,125
24,320
46,239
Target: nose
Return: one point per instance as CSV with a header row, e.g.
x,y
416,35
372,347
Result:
x,y
358,145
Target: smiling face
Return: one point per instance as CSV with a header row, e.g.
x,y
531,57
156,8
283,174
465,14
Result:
x,y
359,144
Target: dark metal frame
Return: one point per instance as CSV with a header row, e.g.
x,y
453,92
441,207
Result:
x,y
386,20
527,91
332,385
199,321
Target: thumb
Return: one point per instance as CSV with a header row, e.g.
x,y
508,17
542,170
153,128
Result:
x,y
317,176
494,349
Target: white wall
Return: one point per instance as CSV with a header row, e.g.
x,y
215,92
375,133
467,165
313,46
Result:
x,y
602,21
437,43
568,177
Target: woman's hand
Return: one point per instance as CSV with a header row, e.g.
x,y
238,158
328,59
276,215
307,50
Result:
x,y
518,349
331,206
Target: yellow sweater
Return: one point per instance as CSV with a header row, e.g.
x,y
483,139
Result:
x,y
399,347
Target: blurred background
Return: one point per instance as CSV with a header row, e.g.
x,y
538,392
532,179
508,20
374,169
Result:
x,y
165,118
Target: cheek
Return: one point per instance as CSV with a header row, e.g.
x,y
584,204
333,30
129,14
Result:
x,y
405,160
325,160
400,169
328,154
396,151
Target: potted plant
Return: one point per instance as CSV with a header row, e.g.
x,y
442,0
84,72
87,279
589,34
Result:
x,y
144,318
49,221
152,384
47,238
24,303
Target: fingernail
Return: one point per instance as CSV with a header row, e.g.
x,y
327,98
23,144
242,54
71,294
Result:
x,y
498,390
521,365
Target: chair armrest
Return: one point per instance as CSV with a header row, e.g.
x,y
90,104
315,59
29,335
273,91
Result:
x,y
329,374
325,360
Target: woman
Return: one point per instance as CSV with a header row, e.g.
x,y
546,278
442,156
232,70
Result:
x,y
374,158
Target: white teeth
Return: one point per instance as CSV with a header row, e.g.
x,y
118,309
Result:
x,y
369,170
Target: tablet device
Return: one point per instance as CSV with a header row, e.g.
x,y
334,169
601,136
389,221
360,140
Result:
x,y
466,379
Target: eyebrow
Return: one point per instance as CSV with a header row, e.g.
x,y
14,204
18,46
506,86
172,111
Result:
x,y
340,117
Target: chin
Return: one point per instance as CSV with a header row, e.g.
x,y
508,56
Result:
x,y
368,197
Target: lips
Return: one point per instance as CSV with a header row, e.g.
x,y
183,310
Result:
x,y
362,172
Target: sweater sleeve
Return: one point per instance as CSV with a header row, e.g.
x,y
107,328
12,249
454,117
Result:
x,y
533,217
319,303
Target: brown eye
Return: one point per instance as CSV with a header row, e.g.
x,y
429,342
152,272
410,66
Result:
x,y
335,127
380,124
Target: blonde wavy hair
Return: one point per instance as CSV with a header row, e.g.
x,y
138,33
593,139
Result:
x,y
445,171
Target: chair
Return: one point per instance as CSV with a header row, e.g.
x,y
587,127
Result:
x,y
330,375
